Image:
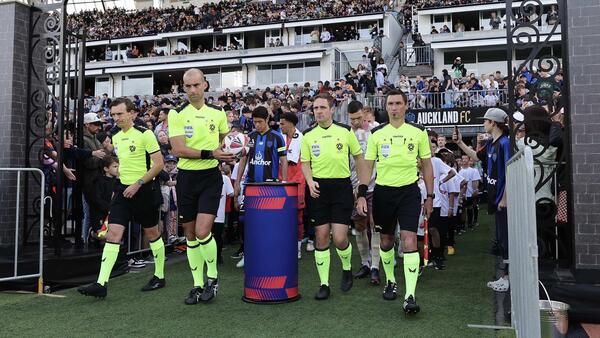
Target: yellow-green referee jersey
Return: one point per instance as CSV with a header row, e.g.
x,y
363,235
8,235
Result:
x,y
133,148
201,128
327,150
396,151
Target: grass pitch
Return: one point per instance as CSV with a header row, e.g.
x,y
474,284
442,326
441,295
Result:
x,y
449,300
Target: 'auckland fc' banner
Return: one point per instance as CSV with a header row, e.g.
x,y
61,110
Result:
x,y
447,117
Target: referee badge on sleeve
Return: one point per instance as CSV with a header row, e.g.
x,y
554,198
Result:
x,y
385,150
189,131
316,149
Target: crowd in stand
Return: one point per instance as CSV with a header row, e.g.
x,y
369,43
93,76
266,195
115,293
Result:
x,y
420,4
120,23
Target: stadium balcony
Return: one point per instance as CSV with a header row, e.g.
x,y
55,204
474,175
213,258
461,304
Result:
x,y
246,55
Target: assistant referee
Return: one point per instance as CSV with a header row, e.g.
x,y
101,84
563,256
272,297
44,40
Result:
x,y
325,152
196,130
134,196
397,146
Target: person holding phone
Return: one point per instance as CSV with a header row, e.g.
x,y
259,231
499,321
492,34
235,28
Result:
x,y
494,156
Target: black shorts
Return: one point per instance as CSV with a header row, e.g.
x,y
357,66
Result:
x,y
335,202
396,205
438,222
198,192
142,208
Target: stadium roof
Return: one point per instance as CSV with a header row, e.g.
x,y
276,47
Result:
x,y
75,6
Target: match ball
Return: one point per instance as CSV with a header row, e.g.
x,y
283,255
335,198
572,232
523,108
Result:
x,y
236,144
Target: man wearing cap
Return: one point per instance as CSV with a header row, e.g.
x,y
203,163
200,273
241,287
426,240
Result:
x,y
92,166
494,156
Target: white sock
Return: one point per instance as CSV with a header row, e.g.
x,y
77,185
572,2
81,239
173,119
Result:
x,y
362,242
299,246
375,258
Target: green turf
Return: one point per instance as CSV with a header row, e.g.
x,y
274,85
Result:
x,y
449,300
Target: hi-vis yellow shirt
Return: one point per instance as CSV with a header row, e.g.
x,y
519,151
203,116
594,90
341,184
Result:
x,y
133,149
201,128
327,150
396,151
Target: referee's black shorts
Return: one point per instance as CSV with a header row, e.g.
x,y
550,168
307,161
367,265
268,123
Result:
x,y
334,204
198,192
396,205
141,208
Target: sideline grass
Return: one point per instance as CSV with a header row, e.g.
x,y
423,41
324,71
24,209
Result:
x,y
449,300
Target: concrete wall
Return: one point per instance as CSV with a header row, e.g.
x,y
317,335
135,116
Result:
x,y
584,52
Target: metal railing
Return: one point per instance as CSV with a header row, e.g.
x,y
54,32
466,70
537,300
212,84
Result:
x,y
522,247
449,99
40,271
416,56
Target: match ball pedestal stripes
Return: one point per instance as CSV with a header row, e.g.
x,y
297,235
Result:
x,y
270,243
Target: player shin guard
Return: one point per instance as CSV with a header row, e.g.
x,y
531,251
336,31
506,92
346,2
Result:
x,y
323,258
411,272
109,257
196,262
158,251
208,248
346,256
375,257
387,258
362,243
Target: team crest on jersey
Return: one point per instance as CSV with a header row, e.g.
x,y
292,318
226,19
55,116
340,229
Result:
x,y
189,131
316,149
411,147
385,150
269,144
132,148
212,127
339,146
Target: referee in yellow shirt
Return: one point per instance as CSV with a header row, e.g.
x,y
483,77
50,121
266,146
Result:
x,y
325,165
196,130
135,196
397,146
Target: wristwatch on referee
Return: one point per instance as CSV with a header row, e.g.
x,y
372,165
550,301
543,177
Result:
x,y
140,182
431,195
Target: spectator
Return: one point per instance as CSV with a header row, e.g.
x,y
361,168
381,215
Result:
x,y
163,122
434,30
314,35
459,68
490,99
552,18
495,21
108,54
92,167
325,35
459,27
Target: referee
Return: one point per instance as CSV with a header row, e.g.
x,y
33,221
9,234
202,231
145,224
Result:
x,y
134,197
397,146
196,130
325,150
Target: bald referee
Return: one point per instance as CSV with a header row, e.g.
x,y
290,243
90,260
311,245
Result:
x,y
196,130
397,146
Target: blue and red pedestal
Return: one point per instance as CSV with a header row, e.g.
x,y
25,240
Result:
x,y
270,243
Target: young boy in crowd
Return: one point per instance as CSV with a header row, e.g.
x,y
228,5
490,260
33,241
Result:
x,y
103,193
168,180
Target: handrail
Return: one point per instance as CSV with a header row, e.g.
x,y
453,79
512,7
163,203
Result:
x,y
40,272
